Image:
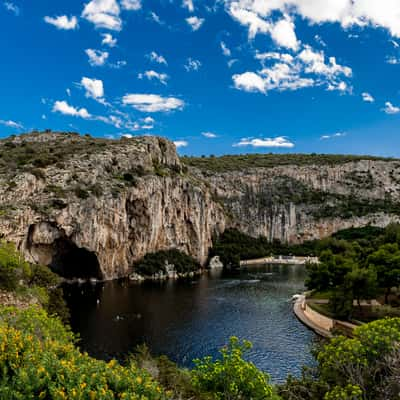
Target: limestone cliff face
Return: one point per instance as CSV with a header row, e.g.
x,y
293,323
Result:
x,y
91,207
147,203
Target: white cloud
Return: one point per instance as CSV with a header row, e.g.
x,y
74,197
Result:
x,y
94,88
97,58
279,141
393,60
249,82
192,65
395,44
195,22
153,102
282,71
131,5
157,58
390,108
150,75
64,108
63,22
250,19
103,14
12,8
11,124
335,135
256,15
181,143
68,90
188,4
225,50
367,97
108,40
154,17
209,135
284,35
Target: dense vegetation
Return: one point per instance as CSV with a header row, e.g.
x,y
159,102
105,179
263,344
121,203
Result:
x,y
27,280
246,161
39,357
156,263
366,367
233,246
355,264
358,266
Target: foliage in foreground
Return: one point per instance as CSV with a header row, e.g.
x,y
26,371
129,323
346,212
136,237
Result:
x,y
230,376
39,360
366,367
31,280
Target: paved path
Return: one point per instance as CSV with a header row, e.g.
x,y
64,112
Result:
x,y
298,309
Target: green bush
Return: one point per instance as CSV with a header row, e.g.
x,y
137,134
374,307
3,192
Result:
x,y
12,267
153,263
81,193
38,360
230,376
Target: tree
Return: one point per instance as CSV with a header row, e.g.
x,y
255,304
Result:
x,y
386,262
363,284
365,367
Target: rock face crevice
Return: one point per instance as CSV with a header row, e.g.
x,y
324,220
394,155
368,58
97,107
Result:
x,y
106,204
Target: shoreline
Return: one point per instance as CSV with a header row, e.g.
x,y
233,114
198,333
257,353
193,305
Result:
x,y
317,322
281,260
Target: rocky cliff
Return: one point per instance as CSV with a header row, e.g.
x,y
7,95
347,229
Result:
x,y
92,207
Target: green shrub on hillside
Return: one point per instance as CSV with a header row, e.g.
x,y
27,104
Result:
x,y
230,376
39,361
154,263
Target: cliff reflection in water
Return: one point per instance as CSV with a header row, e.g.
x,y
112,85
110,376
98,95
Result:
x,y
190,319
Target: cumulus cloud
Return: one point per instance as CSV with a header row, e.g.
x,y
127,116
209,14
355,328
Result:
x,y
64,108
284,35
153,75
97,58
209,135
153,103
131,5
180,143
103,14
108,40
195,22
192,65
94,88
279,141
9,6
367,97
256,15
11,124
157,58
63,22
335,135
390,108
283,71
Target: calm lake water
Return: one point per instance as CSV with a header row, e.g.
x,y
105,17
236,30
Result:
x,y
185,320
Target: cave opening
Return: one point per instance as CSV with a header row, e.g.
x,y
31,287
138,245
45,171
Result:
x,y
71,261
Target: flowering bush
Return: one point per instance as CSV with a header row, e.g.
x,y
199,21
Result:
x,y
231,377
38,360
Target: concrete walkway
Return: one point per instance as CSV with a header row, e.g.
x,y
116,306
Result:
x,y
299,311
281,260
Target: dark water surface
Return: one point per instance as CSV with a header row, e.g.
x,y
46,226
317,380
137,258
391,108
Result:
x,y
185,320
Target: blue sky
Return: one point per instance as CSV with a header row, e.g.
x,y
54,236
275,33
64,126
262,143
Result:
x,y
216,77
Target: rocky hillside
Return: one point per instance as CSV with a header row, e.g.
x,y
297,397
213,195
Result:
x,y
92,207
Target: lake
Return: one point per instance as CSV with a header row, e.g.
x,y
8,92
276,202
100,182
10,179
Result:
x,y
189,319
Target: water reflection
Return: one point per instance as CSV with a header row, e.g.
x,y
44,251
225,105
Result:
x,y
190,319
